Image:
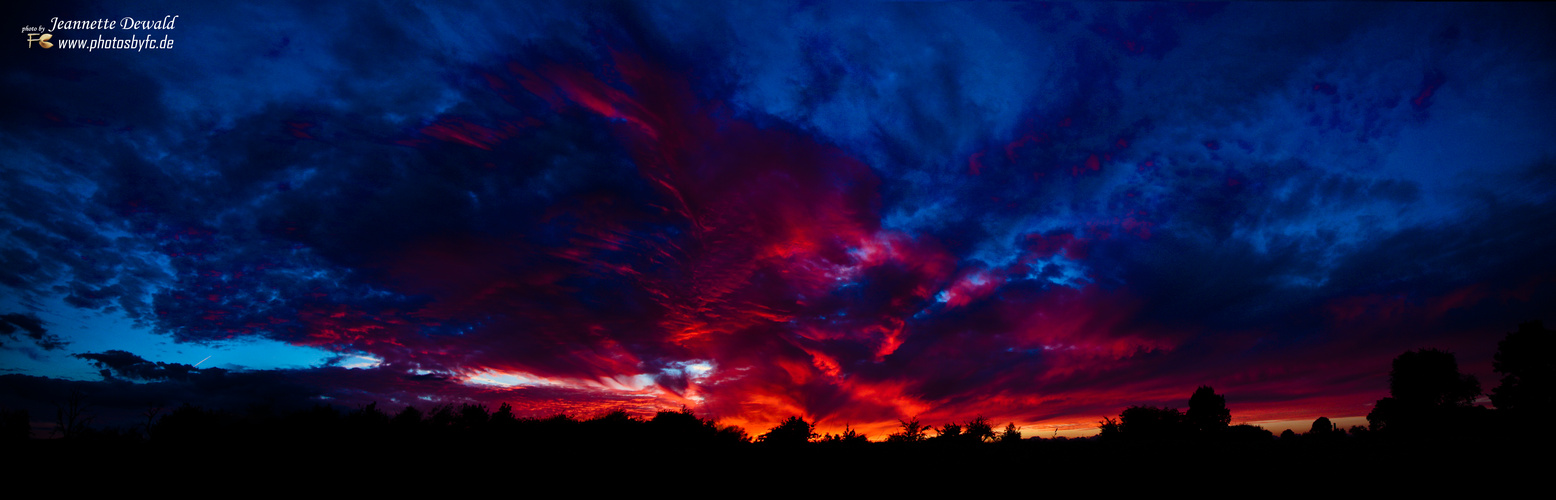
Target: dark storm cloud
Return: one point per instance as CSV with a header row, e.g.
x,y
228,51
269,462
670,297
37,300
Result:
x,y
57,245
848,211
31,328
128,365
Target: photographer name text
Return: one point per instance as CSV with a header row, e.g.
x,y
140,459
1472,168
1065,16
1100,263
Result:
x,y
127,23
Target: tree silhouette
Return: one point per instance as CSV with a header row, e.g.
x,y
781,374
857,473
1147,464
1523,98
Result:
x,y
731,435
1426,391
682,427
618,428
1011,434
366,422
153,411
1246,433
1324,430
473,417
912,432
442,417
1525,360
504,416
1207,410
979,430
1207,414
683,421
1110,429
1148,423
368,416
71,417
189,423
849,437
408,420
951,430
794,431
1321,426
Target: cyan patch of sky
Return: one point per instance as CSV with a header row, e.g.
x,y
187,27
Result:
x,y
96,332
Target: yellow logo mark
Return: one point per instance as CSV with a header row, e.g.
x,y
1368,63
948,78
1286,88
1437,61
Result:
x,y
41,39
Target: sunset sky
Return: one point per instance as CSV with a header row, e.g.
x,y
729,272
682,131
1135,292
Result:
x,y
1037,213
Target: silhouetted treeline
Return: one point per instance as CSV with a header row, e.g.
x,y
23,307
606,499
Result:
x,y
1429,416
1428,401
1207,419
446,425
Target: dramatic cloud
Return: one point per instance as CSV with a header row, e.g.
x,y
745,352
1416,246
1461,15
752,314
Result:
x,y
1039,213
30,327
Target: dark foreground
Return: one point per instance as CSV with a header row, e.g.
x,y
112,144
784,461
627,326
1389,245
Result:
x,y
1497,467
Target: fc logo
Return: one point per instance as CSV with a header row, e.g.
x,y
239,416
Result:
x,y
43,40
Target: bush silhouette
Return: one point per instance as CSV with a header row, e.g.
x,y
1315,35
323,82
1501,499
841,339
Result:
x,y
849,437
504,417
683,427
1524,358
1323,430
407,421
1207,416
1207,410
472,417
1426,392
912,432
794,431
1247,433
1321,426
949,431
978,430
1011,434
189,423
1148,423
